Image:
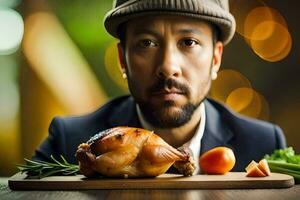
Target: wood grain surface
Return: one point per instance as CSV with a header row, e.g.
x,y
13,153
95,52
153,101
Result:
x,y
291,193
233,180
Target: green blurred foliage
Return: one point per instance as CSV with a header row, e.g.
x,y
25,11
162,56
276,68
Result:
x,y
83,20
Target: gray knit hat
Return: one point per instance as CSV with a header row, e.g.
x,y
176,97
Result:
x,y
214,11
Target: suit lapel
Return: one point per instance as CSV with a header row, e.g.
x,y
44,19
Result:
x,y
216,132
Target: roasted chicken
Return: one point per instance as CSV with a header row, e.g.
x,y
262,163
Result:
x,y
131,152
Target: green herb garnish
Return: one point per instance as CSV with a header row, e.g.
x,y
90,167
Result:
x,y
285,161
43,169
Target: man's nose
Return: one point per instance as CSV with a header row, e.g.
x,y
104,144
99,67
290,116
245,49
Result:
x,y
169,63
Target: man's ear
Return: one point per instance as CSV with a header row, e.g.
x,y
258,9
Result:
x,y
217,58
121,55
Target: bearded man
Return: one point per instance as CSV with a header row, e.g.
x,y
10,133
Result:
x,y
170,52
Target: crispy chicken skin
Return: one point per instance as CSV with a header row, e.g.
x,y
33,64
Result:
x,y
130,152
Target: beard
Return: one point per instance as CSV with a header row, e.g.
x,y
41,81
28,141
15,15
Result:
x,y
161,120
160,116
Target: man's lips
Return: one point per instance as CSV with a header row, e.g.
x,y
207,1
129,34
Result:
x,y
167,92
168,95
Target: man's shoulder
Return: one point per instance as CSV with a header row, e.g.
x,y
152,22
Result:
x,y
250,138
241,122
98,119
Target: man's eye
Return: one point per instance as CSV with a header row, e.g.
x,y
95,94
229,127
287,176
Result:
x,y
147,43
189,42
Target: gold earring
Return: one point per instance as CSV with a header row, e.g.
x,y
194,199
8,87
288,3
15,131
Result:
x,y
124,75
214,75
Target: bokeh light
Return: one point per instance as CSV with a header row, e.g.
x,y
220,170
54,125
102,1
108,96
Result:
x,y
228,80
248,102
241,9
113,67
11,31
266,14
234,89
276,46
245,101
240,98
268,34
254,107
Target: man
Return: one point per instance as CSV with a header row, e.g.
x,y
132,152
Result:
x,y
170,52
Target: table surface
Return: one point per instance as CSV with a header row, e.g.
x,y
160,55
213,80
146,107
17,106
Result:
x,y
256,194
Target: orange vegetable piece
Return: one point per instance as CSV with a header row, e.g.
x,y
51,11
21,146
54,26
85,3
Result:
x,y
251,165
260,169
254,171
264,167
219,160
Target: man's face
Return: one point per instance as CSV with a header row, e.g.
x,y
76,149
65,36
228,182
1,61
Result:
x,y
168,62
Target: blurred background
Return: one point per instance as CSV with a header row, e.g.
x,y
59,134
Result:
x,y
57,59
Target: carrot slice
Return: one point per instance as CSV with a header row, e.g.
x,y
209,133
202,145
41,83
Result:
x,y
264,167
251,165
254,171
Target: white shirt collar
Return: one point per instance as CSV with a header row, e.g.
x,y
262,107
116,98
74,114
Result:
x,y
194,144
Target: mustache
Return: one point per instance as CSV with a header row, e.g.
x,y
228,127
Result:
x,y
162,84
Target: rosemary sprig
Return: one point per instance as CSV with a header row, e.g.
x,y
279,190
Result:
x,y
43,169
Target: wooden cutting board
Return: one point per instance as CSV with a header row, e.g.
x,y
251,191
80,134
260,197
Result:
x,y
232,180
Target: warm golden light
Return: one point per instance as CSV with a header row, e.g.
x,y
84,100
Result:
x,y
241,9
239,99
59,63
276,46
245,101
248,102
113,67
228,81
254,108
267,34
264,29
266,14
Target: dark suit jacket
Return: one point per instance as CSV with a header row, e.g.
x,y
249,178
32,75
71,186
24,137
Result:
x,y
250,139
